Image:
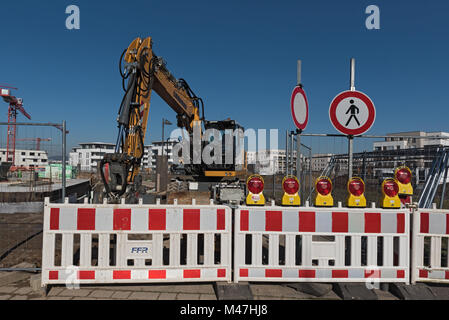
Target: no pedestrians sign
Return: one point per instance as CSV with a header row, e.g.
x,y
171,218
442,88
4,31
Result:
x,y
352,113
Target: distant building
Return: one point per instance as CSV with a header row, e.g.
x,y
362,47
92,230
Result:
x,y
320,161
393,142
88,155
155,149
26,158
268,162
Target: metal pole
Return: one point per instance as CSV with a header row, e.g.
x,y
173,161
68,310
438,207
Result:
x,y
352,75
163,127
292,156
286,152
298,73
63,159
351,138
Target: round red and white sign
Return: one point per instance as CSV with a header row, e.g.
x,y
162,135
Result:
x,y
300,108
352,113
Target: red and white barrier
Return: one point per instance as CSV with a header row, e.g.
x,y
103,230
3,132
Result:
x,y
136,243
321,244
430,246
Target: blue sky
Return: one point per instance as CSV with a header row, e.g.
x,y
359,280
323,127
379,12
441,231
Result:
x,y
239,56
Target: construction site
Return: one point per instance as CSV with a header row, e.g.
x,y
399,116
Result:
x,y
109,203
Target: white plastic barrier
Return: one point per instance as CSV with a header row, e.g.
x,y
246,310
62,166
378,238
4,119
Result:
x,y
107,243
430,246
308,244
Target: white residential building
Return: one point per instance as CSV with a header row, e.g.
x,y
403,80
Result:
x,y
88,155
155,149
26,158
268,162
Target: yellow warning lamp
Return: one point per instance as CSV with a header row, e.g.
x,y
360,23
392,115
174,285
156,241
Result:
x,y
323,187
356,189
290,184
255,186
403,176
390,190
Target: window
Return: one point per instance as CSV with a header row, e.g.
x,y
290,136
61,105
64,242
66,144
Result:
x,y
31,153
22,153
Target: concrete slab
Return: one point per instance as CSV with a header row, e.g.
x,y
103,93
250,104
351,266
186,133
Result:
x,y
12,277
167,296
74,293
314,289
8,289
5,297
19,298
233,291
418,291
187,296
354,291
121,294
144,296
208,297
277,291
101,294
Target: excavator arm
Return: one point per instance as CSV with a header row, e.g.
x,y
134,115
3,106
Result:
x,y
143,72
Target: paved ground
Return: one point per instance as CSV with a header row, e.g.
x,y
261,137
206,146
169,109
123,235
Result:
x,y
16,286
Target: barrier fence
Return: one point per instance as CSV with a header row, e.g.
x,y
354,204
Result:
x,y
430,246
106,243
321,244
110,243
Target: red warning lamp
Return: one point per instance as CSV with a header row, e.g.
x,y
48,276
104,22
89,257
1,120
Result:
x,y
255,185
290,185
356,187
403,175
324,186
391,188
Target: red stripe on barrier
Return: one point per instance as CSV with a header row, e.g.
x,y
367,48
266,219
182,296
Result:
x,y
243,273
157,274
424,222
400,223
121,274
446,275
273,220
156,219
53,275
273,273
372,222
423,273
372,273
339,273
306,273
122,219
400,274
221,219
196,273
86,219
244,220
221,273
86,275
307,221
339,222
54,219
191,219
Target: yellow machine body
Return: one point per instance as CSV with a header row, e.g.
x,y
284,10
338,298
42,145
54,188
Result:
x,y
324,200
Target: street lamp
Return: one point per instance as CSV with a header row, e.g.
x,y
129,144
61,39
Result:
x,y
164,122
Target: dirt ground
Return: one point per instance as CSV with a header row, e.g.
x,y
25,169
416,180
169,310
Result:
x,y
14,229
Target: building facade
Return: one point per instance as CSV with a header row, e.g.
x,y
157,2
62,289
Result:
x,y
26,158
87,155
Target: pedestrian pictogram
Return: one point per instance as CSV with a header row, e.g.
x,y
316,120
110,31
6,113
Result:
x,y
352,113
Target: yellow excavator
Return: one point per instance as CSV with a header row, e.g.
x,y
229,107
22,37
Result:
x,y
142,71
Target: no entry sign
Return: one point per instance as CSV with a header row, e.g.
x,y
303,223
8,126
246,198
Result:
x,y
352,113
300,108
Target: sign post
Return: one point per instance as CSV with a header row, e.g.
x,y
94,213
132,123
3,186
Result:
x,y
300,114
352,113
